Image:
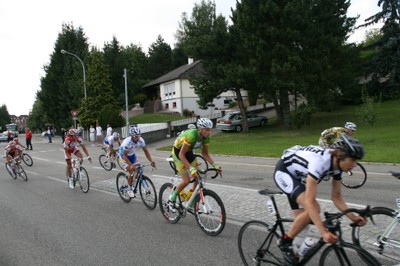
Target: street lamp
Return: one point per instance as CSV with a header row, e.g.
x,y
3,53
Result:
x,y
83,67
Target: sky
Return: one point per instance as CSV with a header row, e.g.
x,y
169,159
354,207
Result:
x,y
29,30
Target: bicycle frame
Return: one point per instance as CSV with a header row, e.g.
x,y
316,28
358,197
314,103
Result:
x,y
385,237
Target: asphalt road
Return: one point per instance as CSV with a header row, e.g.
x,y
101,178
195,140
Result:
x,y
46,223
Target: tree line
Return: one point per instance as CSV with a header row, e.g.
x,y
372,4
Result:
x,y
282,51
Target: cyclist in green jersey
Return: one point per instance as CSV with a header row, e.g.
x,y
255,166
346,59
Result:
x,y
182,153
330,135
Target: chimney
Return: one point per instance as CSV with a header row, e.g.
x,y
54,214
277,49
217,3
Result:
x,y
190,60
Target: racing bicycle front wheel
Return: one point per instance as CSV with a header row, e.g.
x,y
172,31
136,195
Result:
x,y
210,213
148,192
83,180
27,159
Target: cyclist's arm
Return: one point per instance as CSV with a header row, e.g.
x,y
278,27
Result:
x,y
85,150
148,156
206,155
339,202
312,208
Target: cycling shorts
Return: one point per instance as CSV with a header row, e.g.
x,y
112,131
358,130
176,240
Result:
x,y
180,167
69,152
289,185
132,158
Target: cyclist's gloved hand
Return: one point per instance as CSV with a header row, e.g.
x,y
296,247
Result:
x,y
216,166
153,164
193,171
89,158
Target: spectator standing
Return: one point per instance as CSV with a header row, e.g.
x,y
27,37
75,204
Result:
x,y
9,136
109,130
28,139
80,130
63,132
92,135
99,134
49,133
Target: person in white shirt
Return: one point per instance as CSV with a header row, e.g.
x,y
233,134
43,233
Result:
x,y
109,130
99,134
92,135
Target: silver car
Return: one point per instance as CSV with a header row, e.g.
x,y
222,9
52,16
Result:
x,y
233,121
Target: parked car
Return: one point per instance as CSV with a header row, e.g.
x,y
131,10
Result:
x,y
3,137
233,121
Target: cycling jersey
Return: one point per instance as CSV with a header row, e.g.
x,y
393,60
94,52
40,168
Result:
x,y
296,164
130,145
190,138
10,150
109,140
72,145
330,135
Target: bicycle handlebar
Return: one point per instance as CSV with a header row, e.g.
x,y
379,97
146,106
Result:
x,y
395,174
331,219
205,171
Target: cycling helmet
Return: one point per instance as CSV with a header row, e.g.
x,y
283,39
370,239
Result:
x,y
12,143
72,132
350,126
204,123
191,126
134,131
350,146
16,139
116,135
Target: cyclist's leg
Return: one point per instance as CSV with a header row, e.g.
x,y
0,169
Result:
x,y
130,169
183,172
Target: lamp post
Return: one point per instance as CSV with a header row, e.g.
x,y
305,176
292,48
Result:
x,y
83,67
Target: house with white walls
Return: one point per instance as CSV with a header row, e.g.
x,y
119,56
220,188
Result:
x,y
176,93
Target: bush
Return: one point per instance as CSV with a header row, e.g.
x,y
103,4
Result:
x,y
188,113
301,116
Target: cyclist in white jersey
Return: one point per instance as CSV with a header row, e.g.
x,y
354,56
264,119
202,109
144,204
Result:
x,y
298,173
109,142
128,155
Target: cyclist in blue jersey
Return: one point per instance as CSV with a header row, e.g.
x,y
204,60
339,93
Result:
x,y
127,154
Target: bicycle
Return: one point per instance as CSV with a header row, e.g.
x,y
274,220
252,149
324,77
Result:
x,y
258,242
146,187
381,238
108,162
207,206
79,174
15,169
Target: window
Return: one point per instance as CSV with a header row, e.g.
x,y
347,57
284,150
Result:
x,y
169,90
174,105
166,105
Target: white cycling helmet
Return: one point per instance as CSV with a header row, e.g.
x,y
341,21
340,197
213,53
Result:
x,y
134,131
204,123
116,135
350,126
191,126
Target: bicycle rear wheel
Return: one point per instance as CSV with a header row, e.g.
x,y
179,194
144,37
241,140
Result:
x,y
172,216
83,180
346,254
259,245
21,172
122,187
105,162
11,171
148,192
367,236
210,213
27,159
355,178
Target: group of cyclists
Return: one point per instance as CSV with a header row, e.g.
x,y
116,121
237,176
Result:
x,y
298,172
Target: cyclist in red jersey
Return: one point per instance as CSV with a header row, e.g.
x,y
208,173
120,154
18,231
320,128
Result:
x,y
71,143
